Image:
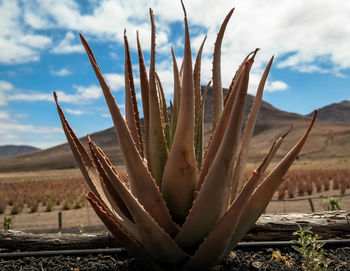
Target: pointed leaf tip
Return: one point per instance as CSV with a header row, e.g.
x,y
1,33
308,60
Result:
x,y
287,132
55,96
184,9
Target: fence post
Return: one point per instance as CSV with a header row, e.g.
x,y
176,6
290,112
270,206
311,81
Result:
x,y
311,205
60,221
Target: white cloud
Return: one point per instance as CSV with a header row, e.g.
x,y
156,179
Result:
x,y
4,115
5,85
29,128
297,32
74,111
67,46
12,132
35,19
61,72
17,43
275,86
115,81
83,95
30,96
35,41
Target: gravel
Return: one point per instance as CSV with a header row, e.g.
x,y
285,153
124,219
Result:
x,y
239,259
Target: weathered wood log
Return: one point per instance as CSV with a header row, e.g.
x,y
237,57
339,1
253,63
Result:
x,y
329,225
17,240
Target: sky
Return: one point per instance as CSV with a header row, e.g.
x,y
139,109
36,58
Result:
x,y
40,52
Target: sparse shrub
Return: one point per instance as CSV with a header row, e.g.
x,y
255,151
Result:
x,y
11,201
301,187
78,203
326,183
291,188
282,190
49,206
7,223
335,183
3,203
33,206
311,250
66,204
16,208
318,184
81,228
308,185
332,204
343,186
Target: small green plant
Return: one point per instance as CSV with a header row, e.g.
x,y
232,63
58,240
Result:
x,y
332,204
277,256
310,249
78,203
16,208
49,206
81,227
34,207
66,205
3,203
7,223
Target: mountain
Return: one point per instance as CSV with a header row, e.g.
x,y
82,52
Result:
x,y
13,150
336,112
329,139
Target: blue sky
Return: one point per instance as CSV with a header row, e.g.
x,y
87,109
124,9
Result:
x,y
40,52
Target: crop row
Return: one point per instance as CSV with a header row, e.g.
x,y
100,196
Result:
x,y
67,193
308,182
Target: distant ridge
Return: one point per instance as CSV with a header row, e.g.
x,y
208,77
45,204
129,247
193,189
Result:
x,y
329,138
13,150
336,112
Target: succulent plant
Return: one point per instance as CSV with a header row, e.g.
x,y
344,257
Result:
x,y
176,209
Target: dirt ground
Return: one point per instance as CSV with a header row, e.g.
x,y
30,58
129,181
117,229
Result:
x,y
84,219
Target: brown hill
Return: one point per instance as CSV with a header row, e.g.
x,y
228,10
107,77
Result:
x,y
12,150
336,112
327,140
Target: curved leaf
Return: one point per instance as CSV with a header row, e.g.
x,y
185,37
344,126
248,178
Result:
x,y
156,241
141,182
144,85
217,84
264,192
199,132
177,95
164,109
180,172
214,195
131,245
156,144
91,173
237,178
218,133
131,109
216,246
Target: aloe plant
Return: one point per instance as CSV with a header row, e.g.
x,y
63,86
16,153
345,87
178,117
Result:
x,y
176,208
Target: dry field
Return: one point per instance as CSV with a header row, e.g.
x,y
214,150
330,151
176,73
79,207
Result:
x,y
55,190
